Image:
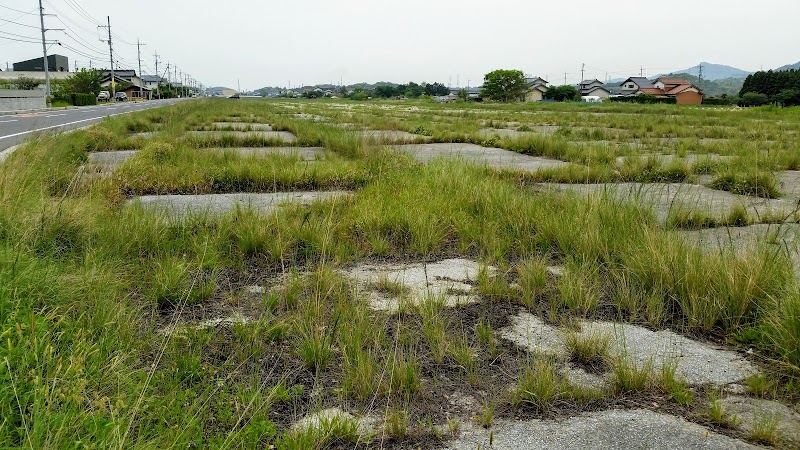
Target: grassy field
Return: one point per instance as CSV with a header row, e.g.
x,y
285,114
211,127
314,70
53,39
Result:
x,y
105,304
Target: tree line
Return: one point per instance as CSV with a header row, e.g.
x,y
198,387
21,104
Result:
x,y
762,87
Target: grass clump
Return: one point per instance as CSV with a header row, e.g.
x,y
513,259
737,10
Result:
x,y
630,376
532,280
765,426
757,184
579,289
676,389
588,349
539,385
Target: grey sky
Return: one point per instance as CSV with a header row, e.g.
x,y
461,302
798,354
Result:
x,y
272,42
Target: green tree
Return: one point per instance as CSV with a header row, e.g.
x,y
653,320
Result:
x,y
463,95
85,82
504,85
564,93
26,83
754,99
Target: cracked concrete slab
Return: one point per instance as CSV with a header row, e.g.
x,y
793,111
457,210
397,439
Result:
x,y
783,238
393,136
607,430
749,411
365,425
242,126
390,285
111,160
494,157
178,206
284,136
665,198
696,362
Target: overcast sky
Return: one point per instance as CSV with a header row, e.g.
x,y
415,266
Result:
x,y
273,42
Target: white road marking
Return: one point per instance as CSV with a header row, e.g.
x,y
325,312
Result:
x,y
7,121
23,133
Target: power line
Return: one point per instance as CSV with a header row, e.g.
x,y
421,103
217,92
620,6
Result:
x,y
19,11
18,40
19,35
20,24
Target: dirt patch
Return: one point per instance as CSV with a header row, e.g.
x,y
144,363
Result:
x,y
493,157
178,206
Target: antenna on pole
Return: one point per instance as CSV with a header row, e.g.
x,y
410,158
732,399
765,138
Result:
x,y
700,74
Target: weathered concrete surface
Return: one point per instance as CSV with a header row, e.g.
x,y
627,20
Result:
x,y
242,126
665,159
393,136
185,205
504,133
664,198
304,153
494,157
311,117
143,135
789,183
606,430
750,410
696,362
284,136
110,160
365,425
450,280
783,238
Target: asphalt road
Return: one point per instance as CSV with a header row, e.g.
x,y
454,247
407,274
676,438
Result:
x,y
15,128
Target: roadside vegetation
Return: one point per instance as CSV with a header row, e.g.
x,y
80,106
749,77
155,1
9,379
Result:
x,y
103,301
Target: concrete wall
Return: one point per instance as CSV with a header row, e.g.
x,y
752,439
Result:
x,y
17,100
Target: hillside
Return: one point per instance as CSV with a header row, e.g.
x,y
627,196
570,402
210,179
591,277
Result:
x,y
716,72
728,86
795,66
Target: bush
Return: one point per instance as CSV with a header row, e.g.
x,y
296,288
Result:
x,y
75,99
720,101
753,99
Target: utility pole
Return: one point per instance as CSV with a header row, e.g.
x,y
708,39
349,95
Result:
x,y
583,71
565,78
139,55
44,52
701,74
157,73
641,71
111,56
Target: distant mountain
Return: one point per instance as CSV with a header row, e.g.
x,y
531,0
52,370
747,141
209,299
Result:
x,y
795,66
713,72
713,88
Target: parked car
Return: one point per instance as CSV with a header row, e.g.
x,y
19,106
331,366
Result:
x,y
103,96
121,97
234,96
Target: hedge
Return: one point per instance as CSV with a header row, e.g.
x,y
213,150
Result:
x,y
76,99
644,98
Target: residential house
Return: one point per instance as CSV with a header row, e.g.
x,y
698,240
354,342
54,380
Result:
x,y
593,88
632,85
153,81
684,92
537,89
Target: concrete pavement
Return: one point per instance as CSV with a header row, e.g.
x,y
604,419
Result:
x,y
16,128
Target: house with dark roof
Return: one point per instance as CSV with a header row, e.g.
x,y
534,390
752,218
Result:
x,y
152,81
632,85
593,88
537,87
